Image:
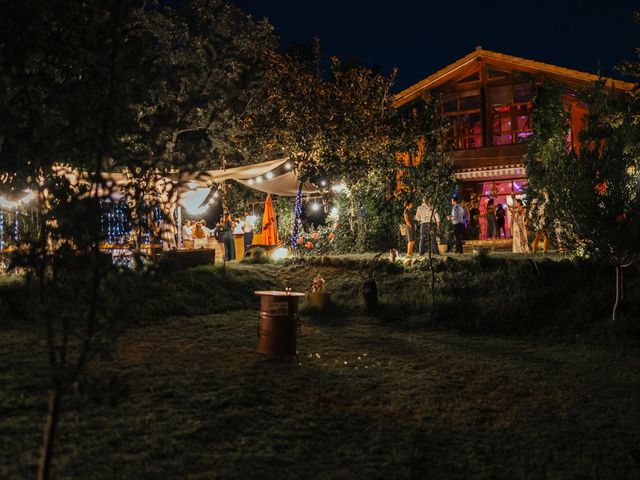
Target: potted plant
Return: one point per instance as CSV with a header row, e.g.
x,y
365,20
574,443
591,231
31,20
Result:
x,y
318,298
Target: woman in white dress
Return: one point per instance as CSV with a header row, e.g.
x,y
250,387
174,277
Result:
x,y
518,228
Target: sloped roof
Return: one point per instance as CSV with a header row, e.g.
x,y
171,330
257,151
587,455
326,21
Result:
x,y
518,63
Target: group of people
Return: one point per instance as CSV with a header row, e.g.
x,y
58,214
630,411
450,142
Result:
x,y
196,234
426,221
495,217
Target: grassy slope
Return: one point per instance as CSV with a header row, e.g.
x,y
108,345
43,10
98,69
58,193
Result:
x,y
366,398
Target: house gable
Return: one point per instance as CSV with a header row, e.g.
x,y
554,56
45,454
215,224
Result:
x,y
484,65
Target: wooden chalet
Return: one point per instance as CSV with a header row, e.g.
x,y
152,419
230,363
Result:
x,y
487,97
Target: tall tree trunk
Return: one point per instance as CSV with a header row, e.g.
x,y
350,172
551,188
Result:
x,y
432,272
619,294
46,455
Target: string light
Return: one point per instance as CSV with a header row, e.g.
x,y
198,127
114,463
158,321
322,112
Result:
x,y
115,222
259,180
297,210
315,206
1,231
269,175
16,227
288,166
339,188
157,215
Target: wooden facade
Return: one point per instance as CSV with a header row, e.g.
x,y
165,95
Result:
x,y
487,97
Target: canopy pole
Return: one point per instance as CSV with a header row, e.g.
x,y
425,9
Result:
x,y
179,226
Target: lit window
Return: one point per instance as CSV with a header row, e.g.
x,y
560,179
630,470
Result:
x,y
511,113
464,113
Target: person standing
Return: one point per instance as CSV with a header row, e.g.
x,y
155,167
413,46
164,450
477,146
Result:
x,y
518,228
187,234
206,230
247,228
429,222
227,237
537,216
457,219
500,214
199,235
474,215
410,229
491,220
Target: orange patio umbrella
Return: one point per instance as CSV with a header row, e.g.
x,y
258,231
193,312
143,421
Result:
x,y
269,226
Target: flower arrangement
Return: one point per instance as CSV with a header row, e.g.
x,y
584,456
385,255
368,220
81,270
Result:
x,y
316,242
318,284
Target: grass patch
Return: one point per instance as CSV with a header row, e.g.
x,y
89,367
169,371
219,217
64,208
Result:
x,y
362,400
416,391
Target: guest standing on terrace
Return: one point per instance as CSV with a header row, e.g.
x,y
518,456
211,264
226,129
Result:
x,y
408,224
187,234
538,223
518,227
457,219
429,221
227,237
491,219
247,228
500,217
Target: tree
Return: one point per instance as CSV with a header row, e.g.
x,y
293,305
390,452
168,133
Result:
x,y
593,189
89,88
333,126
72,76
426,171
209,58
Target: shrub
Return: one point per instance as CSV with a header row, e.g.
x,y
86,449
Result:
x,y
256,255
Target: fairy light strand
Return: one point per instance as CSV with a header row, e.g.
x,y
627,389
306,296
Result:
x,y
296,221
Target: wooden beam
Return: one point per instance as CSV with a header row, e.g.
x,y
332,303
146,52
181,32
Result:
x,y
487,121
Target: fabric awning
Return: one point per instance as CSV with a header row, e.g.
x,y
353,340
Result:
x,y
284,185
490,173
208,177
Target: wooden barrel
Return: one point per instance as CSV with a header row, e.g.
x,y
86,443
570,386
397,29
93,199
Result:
x,y
278,328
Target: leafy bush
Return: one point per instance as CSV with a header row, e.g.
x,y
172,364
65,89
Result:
x,y
256,255
318,241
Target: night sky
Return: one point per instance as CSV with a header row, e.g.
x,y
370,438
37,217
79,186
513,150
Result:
x,y
420,37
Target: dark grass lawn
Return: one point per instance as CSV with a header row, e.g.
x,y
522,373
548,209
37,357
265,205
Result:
x,y
365,398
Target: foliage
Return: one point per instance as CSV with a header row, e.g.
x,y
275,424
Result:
x,y
283,207
317,241
97,86
548,143
257,255
426,171
232,411
593,189
378,213
208,59
69,102
211,56
334,126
